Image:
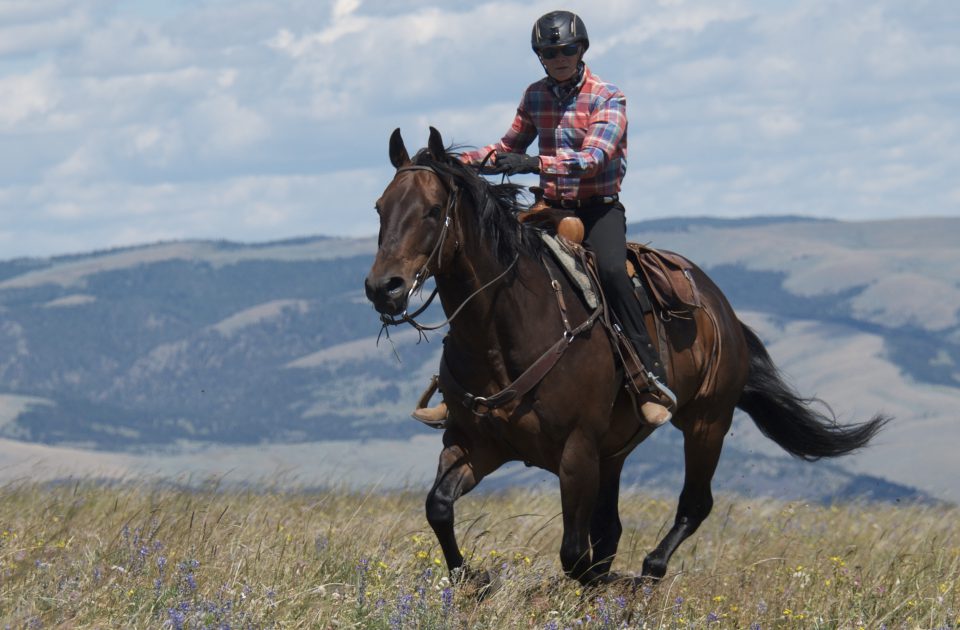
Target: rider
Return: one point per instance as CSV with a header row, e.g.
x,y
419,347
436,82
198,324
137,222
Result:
x,y
581,122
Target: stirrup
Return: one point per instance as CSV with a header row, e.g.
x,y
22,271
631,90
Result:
x,y
663,389
433,417
658,401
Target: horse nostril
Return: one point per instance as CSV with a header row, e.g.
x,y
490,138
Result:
x,y
394,286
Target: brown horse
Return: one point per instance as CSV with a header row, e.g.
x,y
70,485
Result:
x,y
439,218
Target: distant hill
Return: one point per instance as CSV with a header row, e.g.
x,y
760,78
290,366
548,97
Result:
x,y
142,349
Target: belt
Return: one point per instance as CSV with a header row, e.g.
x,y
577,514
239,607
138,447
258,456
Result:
x,y
596,200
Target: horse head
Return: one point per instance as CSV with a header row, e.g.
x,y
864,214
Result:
x,y
415,217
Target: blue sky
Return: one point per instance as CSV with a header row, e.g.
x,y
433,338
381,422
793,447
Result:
x,y
134,121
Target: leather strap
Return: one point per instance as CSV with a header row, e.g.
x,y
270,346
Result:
x,y
483,405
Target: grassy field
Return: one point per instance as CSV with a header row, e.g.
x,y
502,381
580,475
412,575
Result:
x,y
83,555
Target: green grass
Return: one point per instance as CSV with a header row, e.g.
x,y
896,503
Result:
x,y
87,555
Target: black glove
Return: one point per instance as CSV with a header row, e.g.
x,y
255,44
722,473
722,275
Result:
x,y
515,164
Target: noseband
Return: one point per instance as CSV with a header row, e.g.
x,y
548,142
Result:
x,y
453,193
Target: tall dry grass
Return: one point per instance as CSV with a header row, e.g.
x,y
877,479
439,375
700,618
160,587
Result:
x,y
86,555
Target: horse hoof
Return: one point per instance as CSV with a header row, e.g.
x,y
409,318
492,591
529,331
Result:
x,y
608,578
481,582
653,572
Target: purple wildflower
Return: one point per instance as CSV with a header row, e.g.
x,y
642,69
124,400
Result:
x,y
177,618
604,613
402,611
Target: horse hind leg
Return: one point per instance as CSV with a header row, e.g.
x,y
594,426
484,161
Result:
x,y
702,440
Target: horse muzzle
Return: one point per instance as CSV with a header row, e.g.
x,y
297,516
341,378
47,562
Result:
x,y
388,293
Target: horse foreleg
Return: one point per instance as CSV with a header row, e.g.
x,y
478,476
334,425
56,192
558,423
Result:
x,y
460,470
702,441
605,527
579,479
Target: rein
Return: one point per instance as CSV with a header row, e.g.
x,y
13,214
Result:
x,y
483,405
424,272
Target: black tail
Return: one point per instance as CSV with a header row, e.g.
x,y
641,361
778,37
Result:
x,y
789,420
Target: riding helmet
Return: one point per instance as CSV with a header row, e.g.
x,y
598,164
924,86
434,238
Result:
x,y
559,28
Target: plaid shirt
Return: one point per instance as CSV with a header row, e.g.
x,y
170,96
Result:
x,y
583,138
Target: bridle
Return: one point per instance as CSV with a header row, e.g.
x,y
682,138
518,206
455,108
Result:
x,y
453,194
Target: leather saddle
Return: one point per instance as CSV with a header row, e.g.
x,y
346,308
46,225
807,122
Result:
x,y
666,277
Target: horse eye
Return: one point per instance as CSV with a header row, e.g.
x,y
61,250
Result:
x,y
377,208
434,212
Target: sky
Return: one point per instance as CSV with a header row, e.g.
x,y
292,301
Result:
x,y
131,121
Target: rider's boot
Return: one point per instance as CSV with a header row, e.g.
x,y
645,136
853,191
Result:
x,y
656,400
435,417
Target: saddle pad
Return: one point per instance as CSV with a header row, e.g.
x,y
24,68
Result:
x,y
668,277
569,263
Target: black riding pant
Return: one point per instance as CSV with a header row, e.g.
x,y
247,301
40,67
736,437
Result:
x,y
605,233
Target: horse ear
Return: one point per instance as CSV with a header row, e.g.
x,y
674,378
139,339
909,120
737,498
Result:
x,y
435,144
398,153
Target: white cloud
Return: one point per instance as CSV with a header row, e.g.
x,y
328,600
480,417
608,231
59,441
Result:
x,y
31,27
117,110
26,96
779,124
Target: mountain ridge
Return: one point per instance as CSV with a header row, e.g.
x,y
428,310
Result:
x,y
237,344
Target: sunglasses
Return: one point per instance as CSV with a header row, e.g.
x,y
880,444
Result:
x,y
567,51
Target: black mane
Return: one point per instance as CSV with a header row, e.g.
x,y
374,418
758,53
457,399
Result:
x,y
496,207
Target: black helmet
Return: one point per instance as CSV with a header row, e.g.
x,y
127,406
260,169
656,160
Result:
x,y
558,28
